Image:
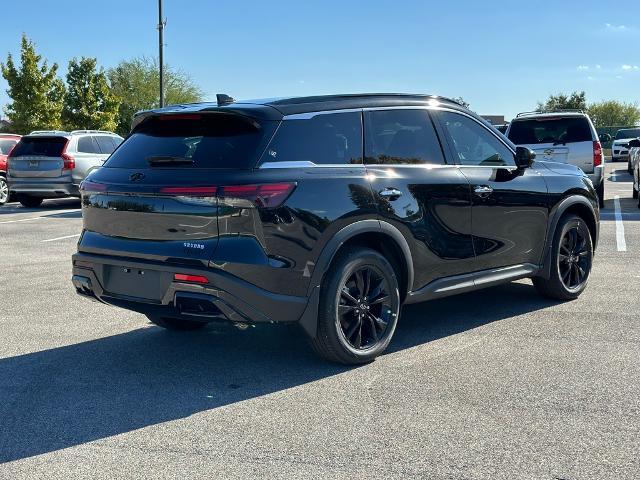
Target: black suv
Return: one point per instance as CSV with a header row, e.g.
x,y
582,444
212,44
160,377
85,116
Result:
x,y
330,212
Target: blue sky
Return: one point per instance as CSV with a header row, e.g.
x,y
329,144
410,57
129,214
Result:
x,y
500,56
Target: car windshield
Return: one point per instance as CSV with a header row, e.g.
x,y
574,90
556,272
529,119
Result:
x,y
550,130
6,145
628,133
194,141
40,147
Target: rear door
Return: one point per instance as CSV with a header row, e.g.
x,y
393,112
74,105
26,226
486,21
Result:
x,y
38,157
556,139
156,196
510,208
427,199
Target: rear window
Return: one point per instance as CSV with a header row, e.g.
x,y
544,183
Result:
x,y
628,133
6,145
217,140
40,147
550,130
107,144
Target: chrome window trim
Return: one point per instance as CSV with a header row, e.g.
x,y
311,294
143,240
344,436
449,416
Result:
x,y
310,115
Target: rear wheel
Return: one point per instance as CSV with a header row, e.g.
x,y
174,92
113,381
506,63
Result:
x,y
359,307
4,191
629,169
571,256
176,324
600,192
634,191
29,201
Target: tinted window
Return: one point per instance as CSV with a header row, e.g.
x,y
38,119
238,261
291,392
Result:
x,y
106,144
474,144
87,145
550,130
40,146
217,140
401,137
334,138
6,145
628,133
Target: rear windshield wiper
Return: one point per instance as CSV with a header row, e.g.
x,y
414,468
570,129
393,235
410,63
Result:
x,y
168,160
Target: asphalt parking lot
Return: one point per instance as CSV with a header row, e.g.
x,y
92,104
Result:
x,y
494,384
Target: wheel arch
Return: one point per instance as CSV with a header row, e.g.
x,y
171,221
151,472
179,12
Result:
x,y
377,235
574,204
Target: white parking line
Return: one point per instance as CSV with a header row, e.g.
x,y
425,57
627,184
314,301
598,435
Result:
x,y
61,238
622,244
21,220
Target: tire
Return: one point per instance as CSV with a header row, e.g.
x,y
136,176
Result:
x,y
600,192
4,191
176,324
634,192
629,169
577,259
29,201
359,307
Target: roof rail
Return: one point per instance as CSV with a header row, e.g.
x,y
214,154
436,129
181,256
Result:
x,y
49,132
73,132
558,110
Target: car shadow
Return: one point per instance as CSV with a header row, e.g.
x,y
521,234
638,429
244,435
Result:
x,y
71,395
47,205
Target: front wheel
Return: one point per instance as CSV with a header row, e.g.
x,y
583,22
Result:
x,y
176,324
4,191
359,307
571,257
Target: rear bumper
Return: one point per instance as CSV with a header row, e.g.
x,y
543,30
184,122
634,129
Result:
x,y
225,297
47,188
597,177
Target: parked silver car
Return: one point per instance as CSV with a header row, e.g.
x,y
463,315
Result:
x,y
565,137
51,164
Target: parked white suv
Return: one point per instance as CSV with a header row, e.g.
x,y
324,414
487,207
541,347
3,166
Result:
x,y
564,137
620,146
51,164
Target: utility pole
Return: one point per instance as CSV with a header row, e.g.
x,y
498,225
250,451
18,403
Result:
x,y
161,25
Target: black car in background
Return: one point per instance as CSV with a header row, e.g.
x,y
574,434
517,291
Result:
x,y
330,212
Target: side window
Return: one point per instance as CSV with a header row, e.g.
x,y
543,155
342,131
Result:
x,y
401,137
474,144
87,144
106,144
334,138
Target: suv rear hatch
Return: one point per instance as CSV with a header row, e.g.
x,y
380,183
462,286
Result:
x,y
557,139
39,157
159,194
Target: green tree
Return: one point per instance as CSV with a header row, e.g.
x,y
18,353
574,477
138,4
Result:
x,y
36,93
613,113
577,100
89,103
135,83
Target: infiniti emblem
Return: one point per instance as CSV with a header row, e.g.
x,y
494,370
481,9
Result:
x,y
136,177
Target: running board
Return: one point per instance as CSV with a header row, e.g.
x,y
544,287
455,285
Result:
x,y
444,287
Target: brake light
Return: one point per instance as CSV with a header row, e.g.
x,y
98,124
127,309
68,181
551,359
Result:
x,y
89,186
191,191
68,162
187,116
597,153
268,195
183,277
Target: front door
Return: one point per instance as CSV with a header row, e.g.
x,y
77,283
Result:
x,y
427,199
510,206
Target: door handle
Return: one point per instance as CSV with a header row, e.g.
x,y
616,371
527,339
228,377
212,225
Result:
x,y
391,193
483,190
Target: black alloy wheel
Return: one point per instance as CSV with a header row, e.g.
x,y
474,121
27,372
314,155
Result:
x,y
574,258
364,307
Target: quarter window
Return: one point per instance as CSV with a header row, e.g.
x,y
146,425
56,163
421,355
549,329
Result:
x,y
401,137
473,144
333,138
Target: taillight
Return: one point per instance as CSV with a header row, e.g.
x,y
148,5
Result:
x,y
597,153
267,195
89,186
69,163
183,277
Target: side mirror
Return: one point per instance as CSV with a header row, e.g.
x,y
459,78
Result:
x,y
605,138
635,143
524,157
